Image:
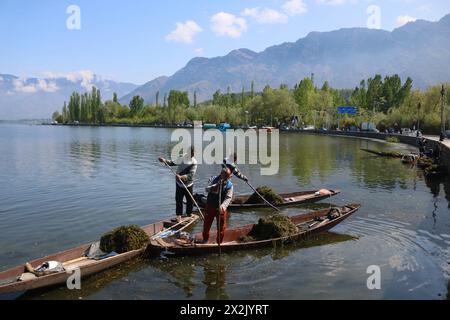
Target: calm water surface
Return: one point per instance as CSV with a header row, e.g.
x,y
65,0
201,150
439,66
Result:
x,y
61,186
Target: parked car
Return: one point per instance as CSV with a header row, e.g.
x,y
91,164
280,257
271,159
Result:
x,y
309,128
369,126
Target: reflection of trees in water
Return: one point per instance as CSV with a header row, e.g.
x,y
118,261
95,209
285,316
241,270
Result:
x,y
309,155
381,173
435,187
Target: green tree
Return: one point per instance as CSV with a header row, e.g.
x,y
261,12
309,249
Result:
x,y
136,105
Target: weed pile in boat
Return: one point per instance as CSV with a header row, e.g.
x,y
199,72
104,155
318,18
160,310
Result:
x,y
268,194
124,239
274,226
424,162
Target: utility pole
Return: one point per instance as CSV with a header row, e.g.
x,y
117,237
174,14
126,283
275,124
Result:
x,y
419,106
442,114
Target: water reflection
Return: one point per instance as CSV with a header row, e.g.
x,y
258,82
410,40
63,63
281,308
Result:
x,y
85,157
216,269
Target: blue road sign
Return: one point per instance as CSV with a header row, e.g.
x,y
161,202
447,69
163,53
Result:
x,y
347,110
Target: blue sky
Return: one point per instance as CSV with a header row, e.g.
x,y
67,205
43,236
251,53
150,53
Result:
x,y
138,40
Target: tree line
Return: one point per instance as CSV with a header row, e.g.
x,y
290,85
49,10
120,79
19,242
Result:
x,y
386,101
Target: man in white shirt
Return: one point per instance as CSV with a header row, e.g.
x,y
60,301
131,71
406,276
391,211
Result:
x,y
187,167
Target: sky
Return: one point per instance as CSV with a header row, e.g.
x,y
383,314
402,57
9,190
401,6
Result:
x,y
138,40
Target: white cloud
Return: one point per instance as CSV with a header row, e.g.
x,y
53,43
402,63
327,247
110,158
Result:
x,y
86,77
402,20
1,79
226,24
47,86
199,52
184,32
294,7
338,2
21,85
265,15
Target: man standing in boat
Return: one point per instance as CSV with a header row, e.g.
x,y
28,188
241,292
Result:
x,y
220,193
187,168
227,163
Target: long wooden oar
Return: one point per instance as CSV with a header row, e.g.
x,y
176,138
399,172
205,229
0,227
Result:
x,y
267,202
218,218
192,197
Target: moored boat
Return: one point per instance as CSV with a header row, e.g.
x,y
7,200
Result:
x,y
289,199
307,224
77,258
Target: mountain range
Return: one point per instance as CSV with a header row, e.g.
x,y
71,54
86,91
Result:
x,y
38,98
420,50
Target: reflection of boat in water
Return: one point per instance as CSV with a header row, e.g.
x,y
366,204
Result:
x,y
21,279
90,286
307,224
216,268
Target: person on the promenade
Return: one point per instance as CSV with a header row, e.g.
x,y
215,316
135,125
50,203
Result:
x,y
187,168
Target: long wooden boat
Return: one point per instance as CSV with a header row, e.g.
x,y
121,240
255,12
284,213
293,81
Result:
x,y
391,154
76,258
289,199
308,224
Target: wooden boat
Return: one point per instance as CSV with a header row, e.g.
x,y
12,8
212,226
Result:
x,y
384,154
289,199
76,258
308,224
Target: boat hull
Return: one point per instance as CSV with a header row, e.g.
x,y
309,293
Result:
x,y
86,266
298,198
230,244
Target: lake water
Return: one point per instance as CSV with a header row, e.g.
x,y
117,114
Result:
x,y
64,186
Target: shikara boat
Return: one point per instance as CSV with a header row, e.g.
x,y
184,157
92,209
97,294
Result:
x,y
308,224
391,154
289,199
76,258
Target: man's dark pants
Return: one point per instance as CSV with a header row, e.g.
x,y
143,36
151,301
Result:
x,y
181,193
